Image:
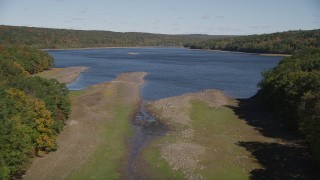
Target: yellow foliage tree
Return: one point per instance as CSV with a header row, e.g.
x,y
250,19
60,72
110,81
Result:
x,y
34,113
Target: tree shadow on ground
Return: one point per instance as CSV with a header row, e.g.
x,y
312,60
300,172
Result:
x,y
289,159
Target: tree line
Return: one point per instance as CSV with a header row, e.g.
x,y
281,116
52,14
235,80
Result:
x,y
292,88
47,38
280,43
32,109
292,91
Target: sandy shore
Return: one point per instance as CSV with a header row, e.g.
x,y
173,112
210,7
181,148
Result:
x,y
63,75
92,144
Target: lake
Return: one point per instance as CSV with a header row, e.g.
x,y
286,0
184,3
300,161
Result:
x,y
171,71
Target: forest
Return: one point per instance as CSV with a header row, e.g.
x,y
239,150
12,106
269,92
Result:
x,y
32,109
292,91
46,38
278,43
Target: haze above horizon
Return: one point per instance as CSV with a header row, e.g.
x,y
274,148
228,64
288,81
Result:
x,y
230,17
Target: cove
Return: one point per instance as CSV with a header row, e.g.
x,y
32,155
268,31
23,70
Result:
x,y
171,71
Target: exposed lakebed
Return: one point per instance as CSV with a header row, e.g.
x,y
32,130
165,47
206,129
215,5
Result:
x,y
171,71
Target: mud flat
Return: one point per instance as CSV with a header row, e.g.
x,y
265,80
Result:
x,y
212,136
205,135
93,144
63,75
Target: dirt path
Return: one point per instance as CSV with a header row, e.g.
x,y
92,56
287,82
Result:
x,y
93,142
63,75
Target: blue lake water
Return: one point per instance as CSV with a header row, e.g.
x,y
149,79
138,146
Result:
x,y
171,71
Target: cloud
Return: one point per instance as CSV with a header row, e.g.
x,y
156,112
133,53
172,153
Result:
x,y
175,24
205,16
220,17
175,30
77,19
84,10
316,18
155,22
172,9
316,22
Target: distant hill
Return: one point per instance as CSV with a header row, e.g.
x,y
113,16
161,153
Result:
x,y
65,38
282,42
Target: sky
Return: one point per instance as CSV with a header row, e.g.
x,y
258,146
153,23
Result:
x,y
215,17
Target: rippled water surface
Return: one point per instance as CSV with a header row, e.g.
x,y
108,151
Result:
x,y
171,71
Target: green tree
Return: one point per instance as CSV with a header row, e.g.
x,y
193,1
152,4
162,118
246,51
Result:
x,y
26,129
292,90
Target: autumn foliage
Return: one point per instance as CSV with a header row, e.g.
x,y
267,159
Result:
x,y
32,109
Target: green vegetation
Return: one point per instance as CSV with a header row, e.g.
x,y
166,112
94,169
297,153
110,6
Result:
x,y
53,93
32,60
63,38
158,167
32,109
75,93
279,43
215,129
292,90
109,157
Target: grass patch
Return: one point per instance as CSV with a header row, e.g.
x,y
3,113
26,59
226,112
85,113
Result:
x,y
109,158
158,167
218,130
75,93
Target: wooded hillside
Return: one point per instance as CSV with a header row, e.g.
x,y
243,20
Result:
x,y
280,43
63,38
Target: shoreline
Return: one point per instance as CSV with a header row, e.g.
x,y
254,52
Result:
x,y
261,54
113,47
120,47
206,132
63,75
92,143
212,135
